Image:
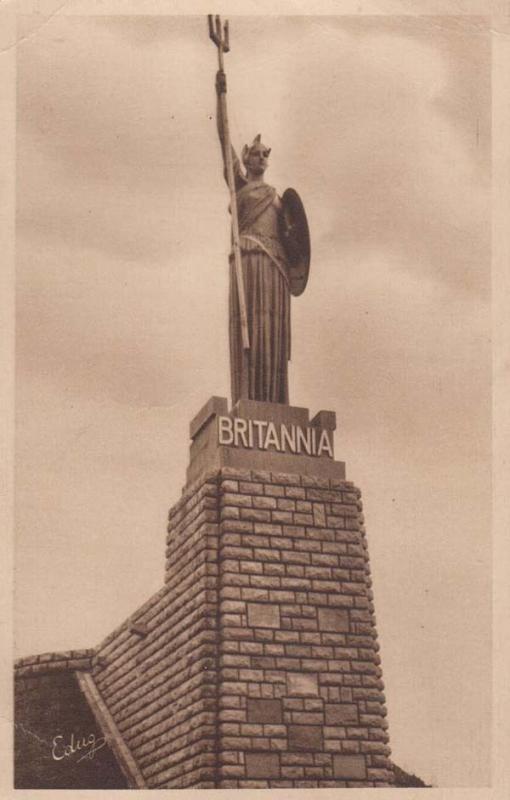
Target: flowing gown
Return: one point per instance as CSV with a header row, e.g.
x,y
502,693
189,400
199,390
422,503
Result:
x,y
261,373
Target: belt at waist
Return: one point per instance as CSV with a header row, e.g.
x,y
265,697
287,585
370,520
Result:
x,y
274,260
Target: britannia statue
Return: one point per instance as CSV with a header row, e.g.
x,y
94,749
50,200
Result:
x,y
269,260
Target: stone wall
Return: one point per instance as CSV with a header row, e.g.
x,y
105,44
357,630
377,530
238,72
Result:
x,y
46,663
300,691
157,672
256,665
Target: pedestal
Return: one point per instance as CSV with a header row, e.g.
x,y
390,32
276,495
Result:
x,y
256,665
286,657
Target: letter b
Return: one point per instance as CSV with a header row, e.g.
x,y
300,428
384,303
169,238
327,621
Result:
x,y
225,430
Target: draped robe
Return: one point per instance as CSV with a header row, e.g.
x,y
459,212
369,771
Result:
x,y
261,373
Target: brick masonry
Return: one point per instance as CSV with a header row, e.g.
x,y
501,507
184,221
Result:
x,y
256,665
300,692
48,663
260,665
161,686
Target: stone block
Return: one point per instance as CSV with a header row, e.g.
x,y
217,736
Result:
x,y
308,717
254,594
295,492
385,775
305,737
230,486
319,515
314,704
256,514
234,771
285,504
274,491
333,619
231,499
293,773
341,713
215,406
264,502
302,683
264,711
251,567
262,765
250,487
261,475
263,615
266,581
349,767
282,516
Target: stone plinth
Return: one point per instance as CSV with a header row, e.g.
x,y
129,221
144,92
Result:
x,y
294,443
282,583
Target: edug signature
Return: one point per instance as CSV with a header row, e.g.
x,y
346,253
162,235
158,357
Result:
x,y
88,744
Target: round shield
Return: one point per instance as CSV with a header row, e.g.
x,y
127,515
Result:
x,y
296,240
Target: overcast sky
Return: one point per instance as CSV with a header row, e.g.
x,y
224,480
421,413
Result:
x,y
383,126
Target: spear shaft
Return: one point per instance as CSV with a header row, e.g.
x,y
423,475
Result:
x,y
221,40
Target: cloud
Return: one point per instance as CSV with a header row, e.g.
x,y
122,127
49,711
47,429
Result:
x,y
122,209
104,141
394,171
124,332
375,126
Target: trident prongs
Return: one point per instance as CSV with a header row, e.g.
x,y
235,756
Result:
x,y
219,38
212,35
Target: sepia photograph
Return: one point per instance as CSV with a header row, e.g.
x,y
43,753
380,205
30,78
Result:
x,y
253,377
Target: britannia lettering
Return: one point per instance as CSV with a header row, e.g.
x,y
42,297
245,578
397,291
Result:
x,y
253,433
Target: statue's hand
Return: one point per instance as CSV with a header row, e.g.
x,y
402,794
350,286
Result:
x,y
221,82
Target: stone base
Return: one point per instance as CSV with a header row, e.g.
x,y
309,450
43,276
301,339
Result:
x,y
256,665
293,660
208,453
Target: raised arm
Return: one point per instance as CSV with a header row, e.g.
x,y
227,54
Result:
x,y
221,89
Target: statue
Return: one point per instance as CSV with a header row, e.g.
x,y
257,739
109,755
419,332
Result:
x,y
269,261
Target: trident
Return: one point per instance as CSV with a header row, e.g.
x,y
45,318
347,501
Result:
x,y
220,39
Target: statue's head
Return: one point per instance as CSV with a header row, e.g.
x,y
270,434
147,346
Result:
x,y
255,156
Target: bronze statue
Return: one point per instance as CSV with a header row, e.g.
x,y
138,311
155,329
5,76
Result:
x,y
269,261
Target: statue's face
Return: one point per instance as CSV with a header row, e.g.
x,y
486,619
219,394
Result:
x,y
258,155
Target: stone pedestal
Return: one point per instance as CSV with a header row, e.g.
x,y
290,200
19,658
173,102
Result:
x,y
262,436
256,665
278,576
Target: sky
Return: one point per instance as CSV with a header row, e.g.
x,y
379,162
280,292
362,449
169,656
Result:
x,y
382,124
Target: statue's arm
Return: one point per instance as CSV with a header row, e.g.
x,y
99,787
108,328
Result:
x,y
221,88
